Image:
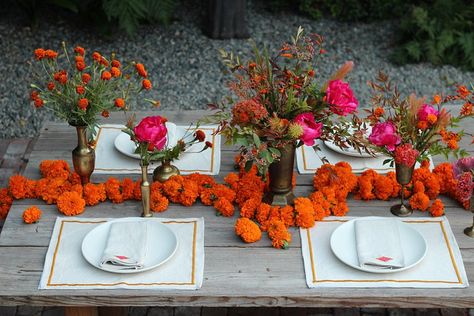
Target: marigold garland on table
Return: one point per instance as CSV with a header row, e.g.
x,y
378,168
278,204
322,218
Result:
x,y
31,215
332,185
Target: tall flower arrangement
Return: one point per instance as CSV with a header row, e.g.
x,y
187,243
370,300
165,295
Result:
x,y
277,100
418,126
77,90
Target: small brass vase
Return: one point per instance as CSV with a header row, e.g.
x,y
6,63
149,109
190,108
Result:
x,y
404,175
470,230
83,156
281,176
145,188
165,171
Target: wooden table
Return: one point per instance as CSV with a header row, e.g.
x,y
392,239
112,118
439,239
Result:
x,y
236,274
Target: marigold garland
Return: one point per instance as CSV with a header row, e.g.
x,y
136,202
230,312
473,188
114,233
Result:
x,y
31,215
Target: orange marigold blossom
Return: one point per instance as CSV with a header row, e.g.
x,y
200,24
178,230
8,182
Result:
x,y
287,215
94,193
106,75
158,203
51,86
80,90
419,201
105,113
278,233
31,215
80,65
96,56
6,200
71,203
247,230
249,207
115,72
113,190
79,50
115,63
85,78
119,102
437,208
146,84
54,169
39,53
304,212
104,62
141,70
83,103
466,109
224,207
200,135
51,54
127,187
17,186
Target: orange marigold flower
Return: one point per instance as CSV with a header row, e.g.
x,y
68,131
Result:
x,y
453,144
106,75
447,182
437,99
51,86
341,209
232,179
419,201
146,84
466,109
104,62
383,187
6,201
54,169
224,207
17,186
115,72
94,193
51,54
437,208
247,230
418,187
80,65
31,215
79,58
80,90
422,125
221,190
38,103
127,187
63,79
304,212
249,208
96,56
320,205
141,70
137,191
279,234
119,102
115,63
79,50
85,78
158,203
431,118
71,203
39,53
113,190
379,111
463,92
105,113
34,95
83,103
200,135
287,215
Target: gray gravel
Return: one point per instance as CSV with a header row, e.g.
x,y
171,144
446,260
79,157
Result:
x,y
183,63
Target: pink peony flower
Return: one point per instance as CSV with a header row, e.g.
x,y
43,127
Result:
x,y
311,129
385,134
406,155
152,130
426,110
341,98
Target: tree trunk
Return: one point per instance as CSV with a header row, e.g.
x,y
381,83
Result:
x,y
226,19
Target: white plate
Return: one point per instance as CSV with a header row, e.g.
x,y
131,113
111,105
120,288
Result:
x,y
343,245
350,151
126,146
161,246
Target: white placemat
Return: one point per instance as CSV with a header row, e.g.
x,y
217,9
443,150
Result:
x,y
109,160
308,160
441,268
66,268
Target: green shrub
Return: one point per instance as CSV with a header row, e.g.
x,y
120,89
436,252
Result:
x,y
440,33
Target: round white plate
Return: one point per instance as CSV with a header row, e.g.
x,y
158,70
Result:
x,y
161,246
343,245
126,146
350,151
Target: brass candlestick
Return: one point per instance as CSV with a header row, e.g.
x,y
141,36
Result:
x,y
403,174
165,171
145,188
470,230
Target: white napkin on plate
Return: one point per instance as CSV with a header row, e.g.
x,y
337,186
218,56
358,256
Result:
x,y
126,246
378,243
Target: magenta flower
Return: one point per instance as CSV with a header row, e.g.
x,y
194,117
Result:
x,y
340,97
426,110
385,134
311,129
152,130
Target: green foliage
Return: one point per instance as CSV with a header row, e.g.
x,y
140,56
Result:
x,y
441,33
126,14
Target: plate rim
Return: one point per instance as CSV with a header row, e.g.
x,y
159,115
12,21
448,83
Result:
x,y
356,154
131,271
378,271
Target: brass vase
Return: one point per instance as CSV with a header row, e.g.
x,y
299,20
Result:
x,y
404,175
83,156
281,174
145,188
470,230
165,171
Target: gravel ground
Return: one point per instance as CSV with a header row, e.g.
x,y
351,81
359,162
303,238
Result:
x,y
183,62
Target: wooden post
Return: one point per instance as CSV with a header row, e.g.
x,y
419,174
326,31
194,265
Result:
x,y
226,19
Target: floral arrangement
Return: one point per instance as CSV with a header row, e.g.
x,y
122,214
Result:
x,y
278,102
418,127
244,190
464,173
150,137
77,90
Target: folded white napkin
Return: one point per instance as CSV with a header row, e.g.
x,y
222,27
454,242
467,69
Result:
x,y
126,246
378,243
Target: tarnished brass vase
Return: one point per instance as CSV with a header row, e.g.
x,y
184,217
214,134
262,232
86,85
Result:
x,y
165,171
83,156
281,174
404,175
145,188
470,230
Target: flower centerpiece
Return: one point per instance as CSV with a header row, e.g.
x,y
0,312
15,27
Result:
x,y
79,91
409,129
278,105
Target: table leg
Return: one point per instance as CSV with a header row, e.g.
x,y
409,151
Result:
x,y
113,311
81,311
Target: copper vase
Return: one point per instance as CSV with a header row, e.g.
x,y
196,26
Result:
x,y
145,189
404,175
165,171
470,230
83,156
281,175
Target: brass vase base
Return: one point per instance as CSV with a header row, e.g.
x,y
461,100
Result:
x,y
401,210
279,199
165,171
147,215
